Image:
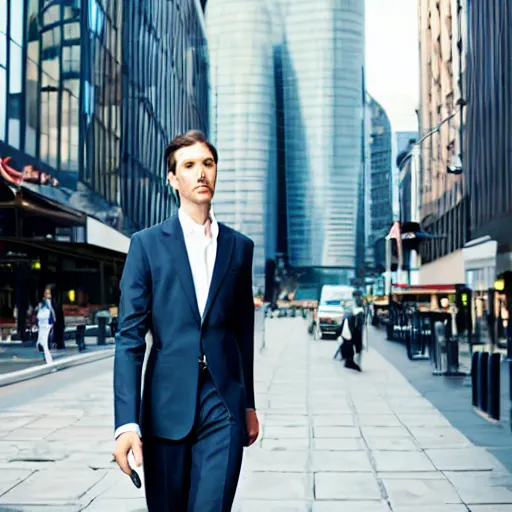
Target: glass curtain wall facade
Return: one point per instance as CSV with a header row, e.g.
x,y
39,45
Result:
x,y
165,93
243,121
323,59
489,120
40,81
381,168
92,92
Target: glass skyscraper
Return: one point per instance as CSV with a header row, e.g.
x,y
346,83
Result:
x,y
287,111
91,92
323,60
243,121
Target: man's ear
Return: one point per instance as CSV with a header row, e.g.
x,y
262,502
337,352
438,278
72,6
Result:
x,y
171,180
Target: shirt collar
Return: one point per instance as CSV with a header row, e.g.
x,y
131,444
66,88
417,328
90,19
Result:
x,y
190,227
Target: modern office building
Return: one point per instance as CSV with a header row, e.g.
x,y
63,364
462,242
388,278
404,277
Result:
x,y
487,166
243,121
90,94
323,60
381,172
444,203
403,139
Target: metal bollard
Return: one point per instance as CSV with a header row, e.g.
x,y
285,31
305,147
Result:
x,y
102,327
113,326
483,381
475,371
494,386
80,337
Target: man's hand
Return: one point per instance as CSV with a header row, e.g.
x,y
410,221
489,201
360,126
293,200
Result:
x,y
124,443
253,425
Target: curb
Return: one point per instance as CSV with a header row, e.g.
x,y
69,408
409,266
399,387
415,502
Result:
x,y
60,364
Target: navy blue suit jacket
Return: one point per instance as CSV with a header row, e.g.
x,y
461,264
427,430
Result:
x,y
157,294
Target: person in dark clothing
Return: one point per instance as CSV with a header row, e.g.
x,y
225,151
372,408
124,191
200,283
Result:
x,y
352,338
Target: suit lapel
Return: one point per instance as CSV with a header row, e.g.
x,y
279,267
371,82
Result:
x,y
172,227
225,243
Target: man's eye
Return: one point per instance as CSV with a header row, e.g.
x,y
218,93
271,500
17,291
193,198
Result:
x,y
189,165
209,163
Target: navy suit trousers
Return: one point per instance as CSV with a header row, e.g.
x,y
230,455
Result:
x,y
199,473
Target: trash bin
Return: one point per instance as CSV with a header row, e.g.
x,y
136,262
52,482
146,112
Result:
x,y
80,337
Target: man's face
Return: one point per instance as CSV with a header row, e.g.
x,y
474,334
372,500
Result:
x,y
196,174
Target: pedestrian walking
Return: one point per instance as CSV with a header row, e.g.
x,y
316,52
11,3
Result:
x,y
189,281
45,316
350,346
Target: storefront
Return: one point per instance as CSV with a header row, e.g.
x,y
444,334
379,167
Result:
x,y
47,244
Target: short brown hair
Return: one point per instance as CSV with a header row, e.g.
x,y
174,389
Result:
x,y
182,141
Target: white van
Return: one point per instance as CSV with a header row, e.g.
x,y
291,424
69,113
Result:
x,y
334,300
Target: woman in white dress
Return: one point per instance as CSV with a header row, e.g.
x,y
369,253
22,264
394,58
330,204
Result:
x,y
45,321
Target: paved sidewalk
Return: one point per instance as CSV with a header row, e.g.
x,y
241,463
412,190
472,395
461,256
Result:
x,y
18,356
332,440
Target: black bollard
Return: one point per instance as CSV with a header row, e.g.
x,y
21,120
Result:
x,y
80,337
113,326
475,370
102,327
483,379
494,386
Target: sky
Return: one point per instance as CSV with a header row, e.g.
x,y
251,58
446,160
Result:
x,y
392,59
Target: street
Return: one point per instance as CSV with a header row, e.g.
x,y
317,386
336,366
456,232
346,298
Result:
x,y
331,440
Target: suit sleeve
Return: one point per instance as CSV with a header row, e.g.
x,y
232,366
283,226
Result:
x,y
134,308
246,324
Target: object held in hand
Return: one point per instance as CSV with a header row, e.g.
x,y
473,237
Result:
x,y
134,474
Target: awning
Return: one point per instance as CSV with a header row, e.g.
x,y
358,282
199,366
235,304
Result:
x,y
29,203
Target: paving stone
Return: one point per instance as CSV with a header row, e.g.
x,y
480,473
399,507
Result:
x,y
387,432
402,461
346,486
439,437
424,420
42,508
420,492
482,487
354,462
468,459
277,420
52,487
350,506
336,432
491,508
419,475
285,444
9,478
26,434
330,420
338,444
270,506
431,508
53,422
117,505
397,444
286,432
77,433
379,420
13,421
280,461
272,486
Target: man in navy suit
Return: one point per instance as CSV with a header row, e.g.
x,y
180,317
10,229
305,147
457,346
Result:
x,y
187,280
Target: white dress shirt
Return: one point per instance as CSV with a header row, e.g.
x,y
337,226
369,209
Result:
x,y
201,251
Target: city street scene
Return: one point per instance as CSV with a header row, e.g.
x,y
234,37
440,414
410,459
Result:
x,y
339,171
